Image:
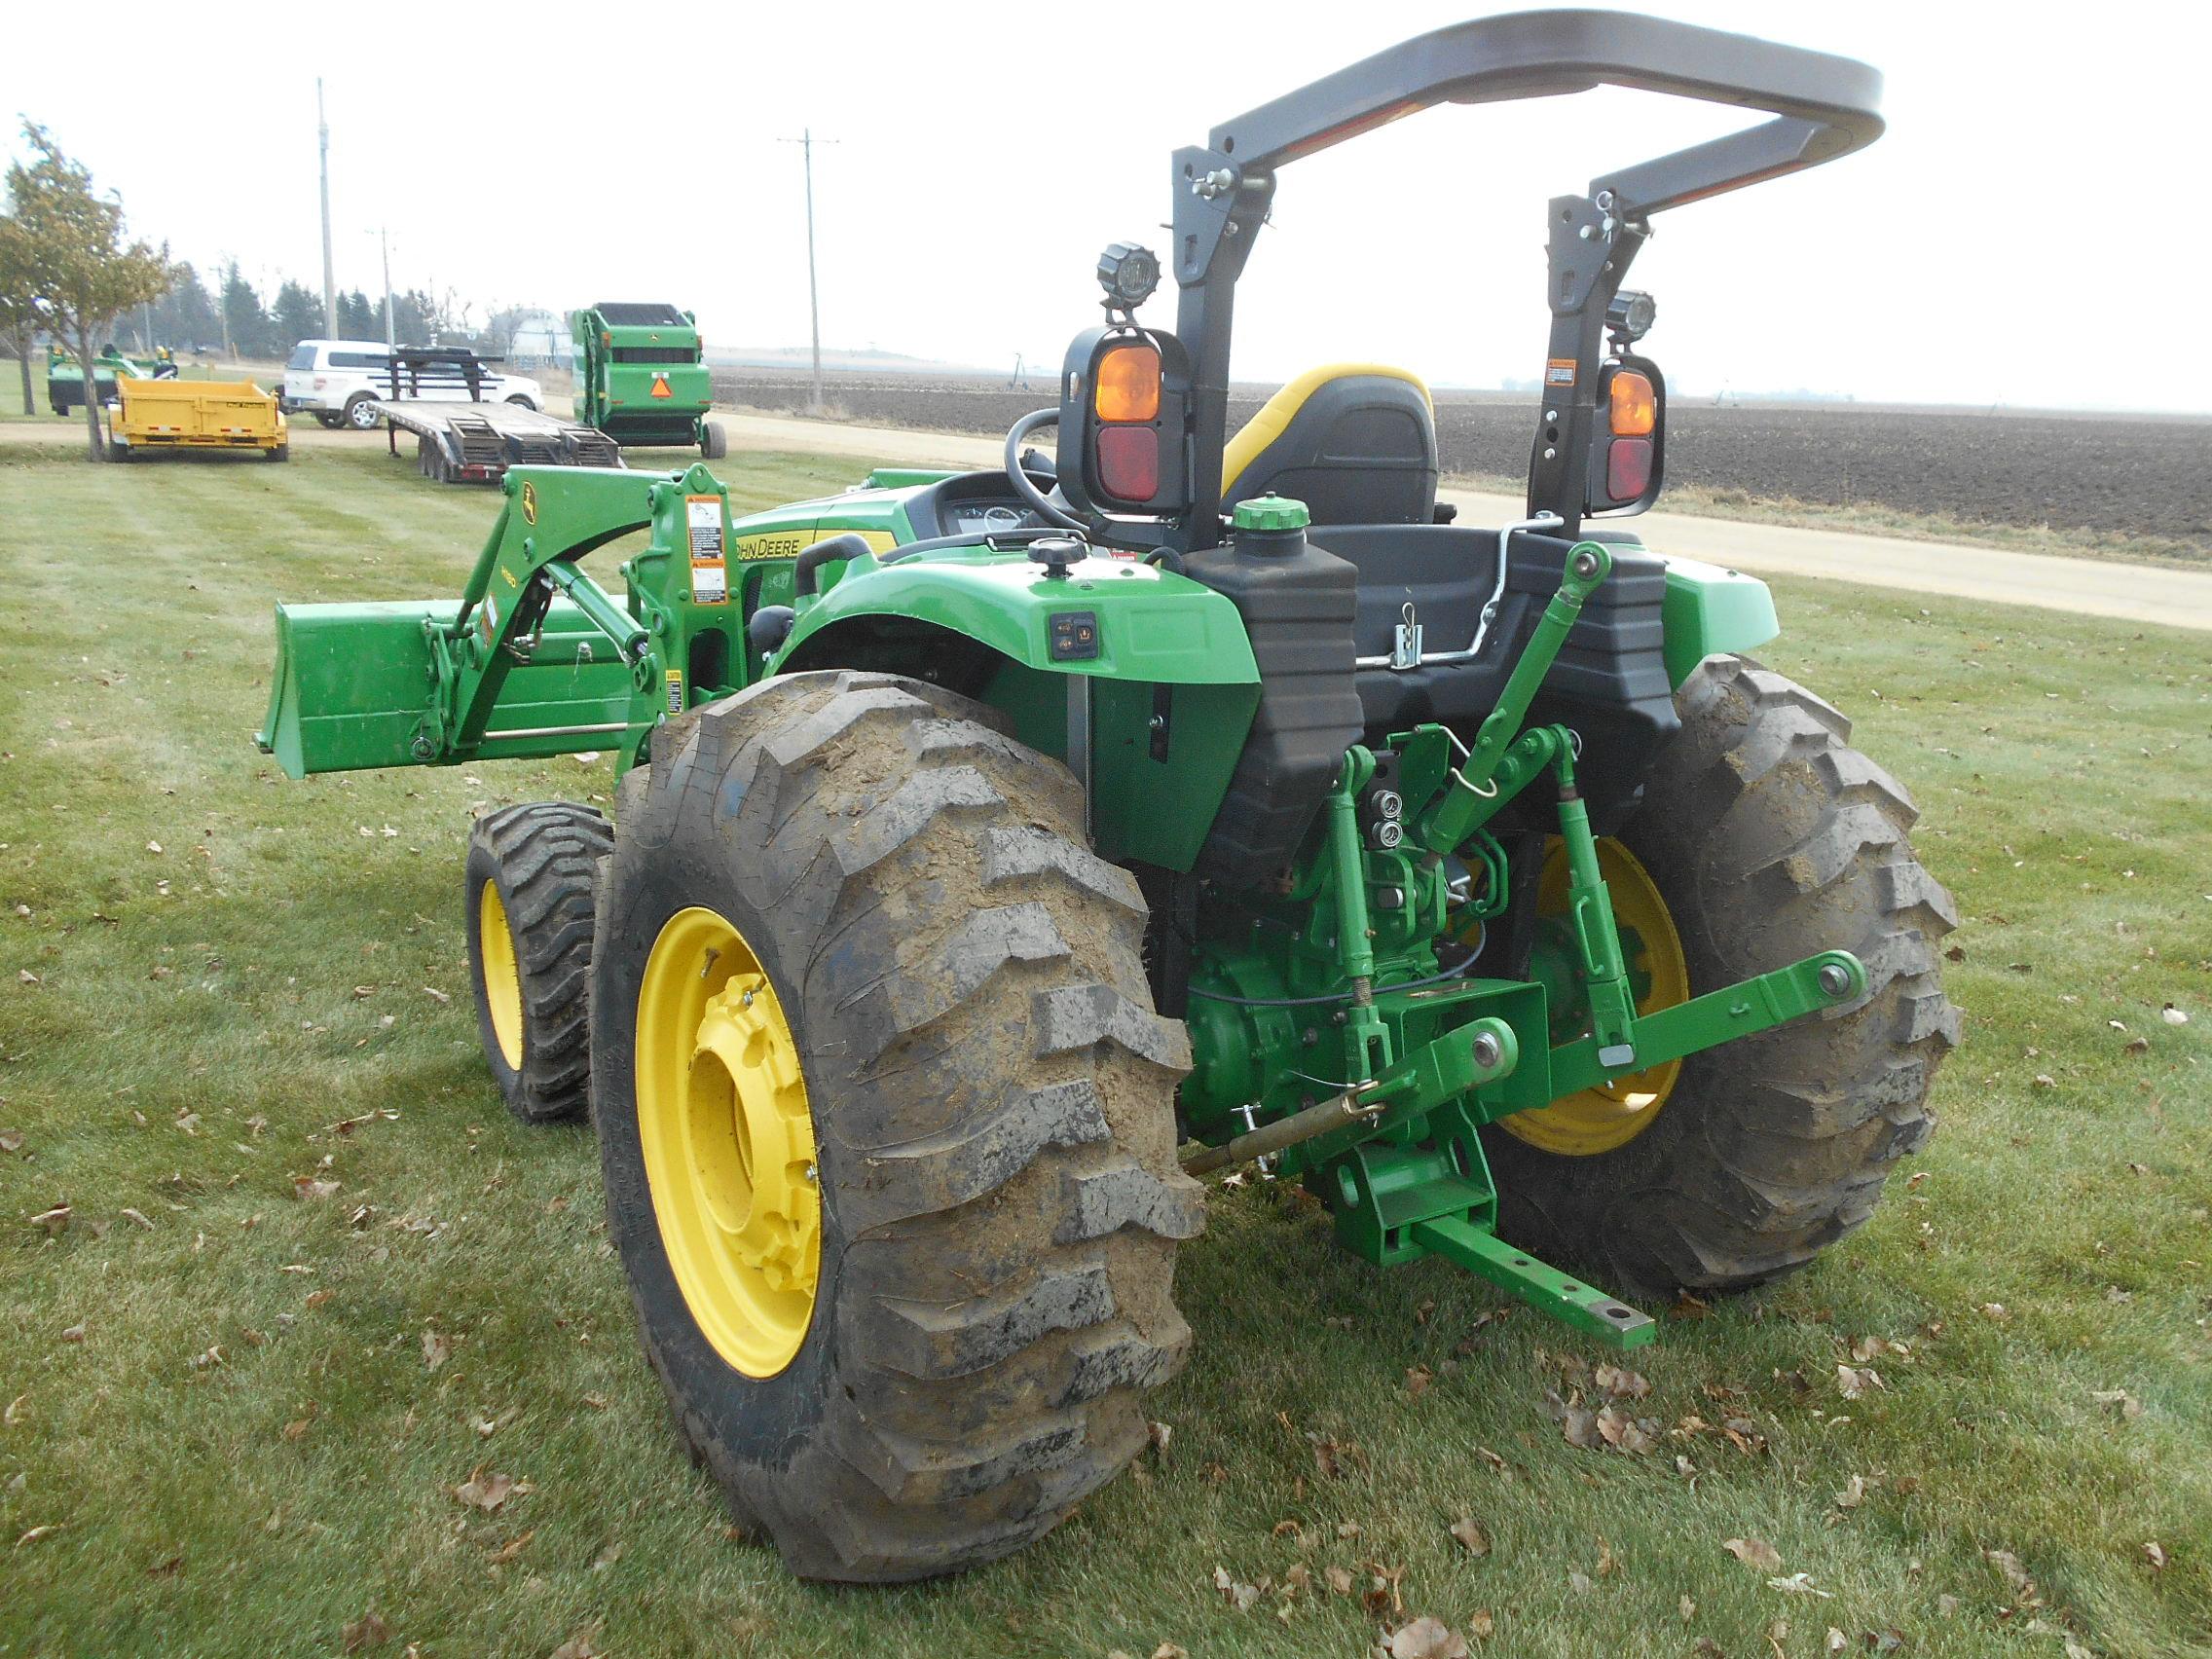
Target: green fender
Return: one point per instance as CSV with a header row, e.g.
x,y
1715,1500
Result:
x,y
1157,667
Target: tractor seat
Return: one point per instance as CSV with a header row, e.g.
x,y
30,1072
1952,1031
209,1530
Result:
x,y
1357,442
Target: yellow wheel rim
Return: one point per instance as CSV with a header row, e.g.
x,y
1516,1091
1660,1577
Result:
x,y
502,975
1613,1114
728,1142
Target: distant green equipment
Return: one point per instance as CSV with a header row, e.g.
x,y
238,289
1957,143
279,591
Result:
x,y
65,379
640,378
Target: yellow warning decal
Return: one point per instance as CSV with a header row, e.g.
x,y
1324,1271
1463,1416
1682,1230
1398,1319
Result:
x,y
790,544
1559,371
675,691
529,501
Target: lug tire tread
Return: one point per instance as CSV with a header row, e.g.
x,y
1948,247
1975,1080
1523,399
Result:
x,y
1001,1158
545,857
1770,839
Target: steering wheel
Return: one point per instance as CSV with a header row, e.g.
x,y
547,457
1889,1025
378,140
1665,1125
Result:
x,y
1053,511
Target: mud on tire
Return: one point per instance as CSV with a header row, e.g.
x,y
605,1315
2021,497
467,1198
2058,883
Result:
x,y
992,1103
1770,839
544,860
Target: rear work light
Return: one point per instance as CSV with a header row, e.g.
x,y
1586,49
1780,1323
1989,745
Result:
x,y
1126,386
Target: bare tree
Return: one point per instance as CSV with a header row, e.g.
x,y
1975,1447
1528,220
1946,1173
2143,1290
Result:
x,y
84,275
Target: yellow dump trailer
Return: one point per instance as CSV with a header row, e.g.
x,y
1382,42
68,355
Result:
x,y
194,415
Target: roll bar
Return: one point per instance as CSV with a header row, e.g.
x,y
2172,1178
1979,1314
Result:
x,y
1826,106
1822,107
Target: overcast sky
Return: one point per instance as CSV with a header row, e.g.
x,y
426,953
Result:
x,y
2029,232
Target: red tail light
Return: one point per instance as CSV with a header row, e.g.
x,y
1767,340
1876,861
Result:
x,y
1129,463
1627,469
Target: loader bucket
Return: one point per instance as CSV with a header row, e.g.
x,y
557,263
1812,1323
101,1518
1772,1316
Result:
x,y
352,688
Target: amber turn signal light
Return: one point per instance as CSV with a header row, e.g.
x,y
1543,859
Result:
x,y
1634,405
1126,385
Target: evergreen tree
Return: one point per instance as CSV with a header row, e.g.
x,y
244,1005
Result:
x,y
245,323
297,316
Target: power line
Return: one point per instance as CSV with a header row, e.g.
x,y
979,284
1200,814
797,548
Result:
x,y
806,142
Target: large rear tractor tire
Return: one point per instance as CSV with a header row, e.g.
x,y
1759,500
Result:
x,y
533,874
1766,837
886,1119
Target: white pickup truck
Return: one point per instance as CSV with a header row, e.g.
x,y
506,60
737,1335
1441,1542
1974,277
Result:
x,y
340,381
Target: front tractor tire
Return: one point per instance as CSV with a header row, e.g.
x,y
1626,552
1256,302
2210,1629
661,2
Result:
x,y
886,1120
1767,838
530,883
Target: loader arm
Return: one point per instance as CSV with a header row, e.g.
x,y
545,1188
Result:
x,y
535,658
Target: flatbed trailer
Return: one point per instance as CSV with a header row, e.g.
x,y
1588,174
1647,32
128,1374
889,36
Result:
x,y
475,443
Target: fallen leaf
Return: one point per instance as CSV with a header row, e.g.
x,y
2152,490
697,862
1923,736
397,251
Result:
x,y
607,1558
1579,1582
37,1532
2154,1553
1853,1494
1426,1638
435,995
1418,1379
2130,1408
1853,1381
513,1547
578,1645
2015,1575
1161,1436
15,1413
1755,1552
1836,1642
1480,1624
437,1349
1238,1595
308,1187
133,1215
1799,1584
488,1490
2173,1015
1472,1538
1687,1609
1340,1579
11,1140
1615,1381
367,1631
1168,1650
316,1298
56,1221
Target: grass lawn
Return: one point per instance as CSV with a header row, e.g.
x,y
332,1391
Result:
x,y
223,1432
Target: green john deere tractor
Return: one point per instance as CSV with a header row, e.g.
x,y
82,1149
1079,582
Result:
x,y
998,852
66,376
642,379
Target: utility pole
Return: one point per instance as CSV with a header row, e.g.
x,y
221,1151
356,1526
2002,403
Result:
x,y
806,142
383,241
329,281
